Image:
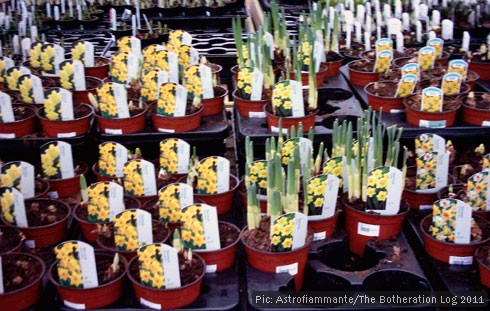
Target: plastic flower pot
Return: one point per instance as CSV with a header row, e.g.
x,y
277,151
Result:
x,y
481,256
444,193
323,228
431,119
471,81
91,84
271,262
221,259
79,126
45,235
475,115
320,75
333,66
28,295
91,23
481,68
11,240
361,78
452,253
63,188
249,108
380,227
68,23
91,298
185,123
21,127
444,60
100,70
223,201
383,102
216,104
121,126
167,298
234,72
287,122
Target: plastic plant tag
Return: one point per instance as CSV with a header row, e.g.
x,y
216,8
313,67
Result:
x,y
458,66
451,83
6,110
12,77
287,99
432,170
171,199
438,45
411,68
206,81
105,201
20,175
35,55
148,54
432,98
159,266
322,196
13,208
305,146
188,56
150,87
124,67
72,75
333,166
132,230
5,64
478,191
51,57
178,37
384,190
57,160
406,85
288,232
383,44
427,57
83,51
31,89
429,142
451,221
172,101
193,82
383,60
200,227
136,47
139,178
112,157
113,102
486,162
124,44
257,174
250,83
58,105
76,265
174,156
213,175
168,61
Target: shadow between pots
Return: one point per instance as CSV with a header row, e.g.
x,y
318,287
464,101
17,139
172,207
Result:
x,y
328,121
393,280
336,255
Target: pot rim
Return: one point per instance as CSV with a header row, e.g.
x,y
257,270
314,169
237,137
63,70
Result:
x,y
349,66
457,97
384,97
145,106
89,115
235,96
198,112
217,88
82,165
38,279
343,199
465,96
480,261
268,113
30,108
225,248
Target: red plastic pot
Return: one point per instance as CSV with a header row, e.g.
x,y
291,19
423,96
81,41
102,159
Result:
x,y
308,120
25,297
91,298
444,60
271,262
62,188
92,84
19,128
382,102
99,176
481,68
234,71
129,125
471,83
142,199
216,104
177,124
355,220
475,116
101,71
361,78
483,267
416,200
222,201
249,108
45,235
323,228
13,231
167,298
76,127
320,75
333,68
44,192
450,252
223,258
423,118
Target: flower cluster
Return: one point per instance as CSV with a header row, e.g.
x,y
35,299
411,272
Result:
x,y
47,58
282,233
477,191
98,202
287,151
52,106
444,220
169,160
257,174
35,55
192,227
13,75
50,162
11,176
149,87
334,166
377,188
150,265
107,159
316,194
69,268
426,171
67,76
161,60
207,181
133,178
304,51
125,231
119,68
26,89
149,57
169,203
244,84
193,82
431,101
185,56
174,40
107,101
78,52
124,44
7,203
281,99
166,100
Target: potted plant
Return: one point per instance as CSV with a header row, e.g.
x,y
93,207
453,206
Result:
x,y
479,62
112,157
79,84
22,123
98,68
388,95
476,109
333,59
88,20
482,255
470,162
26,183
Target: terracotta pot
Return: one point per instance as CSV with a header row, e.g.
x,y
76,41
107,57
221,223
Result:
x,y
216,104
14,232
25,297
62,188
270,262
72,128
91,298
82,96
223,258
223,201
323,228
484,268
333,68
308,120
99,176
177,124
361,78
167,298
45,235
430,119
249,108
320,75
481,68
382,102
387,226
101,71
121,126
475,116
19,128
450,253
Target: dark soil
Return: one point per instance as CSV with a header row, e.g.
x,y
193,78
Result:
x,y
190,270
22,113
364,65
438,74
458,192
100,61
9,239
91,83
383,89
355,50
260,238
448,104
479,101
472,163
44,212
129,203
332,57
104,270
106,235
227,234
40,186
79,111
189,109
479,57
19,271
483,255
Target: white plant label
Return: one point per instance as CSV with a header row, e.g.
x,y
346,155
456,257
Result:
x,y
223,174
148,174
462,233
206,77
6,110
211,228
300,230
121,98
116,199
297,98
144,227
170,262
